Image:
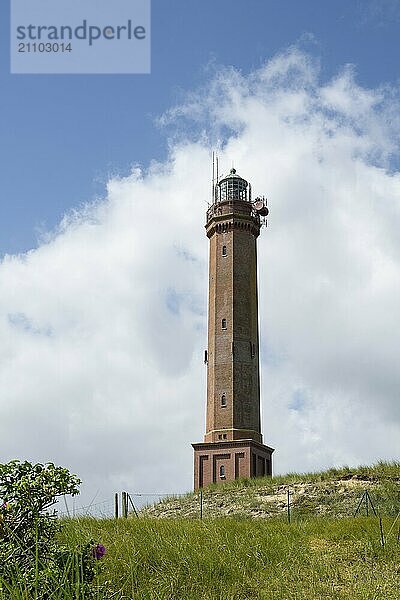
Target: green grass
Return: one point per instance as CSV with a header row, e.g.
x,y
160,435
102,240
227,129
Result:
x,y
233,559
324,553
381,472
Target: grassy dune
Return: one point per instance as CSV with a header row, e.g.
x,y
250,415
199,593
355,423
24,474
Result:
x,y
332,493
323,553
252,552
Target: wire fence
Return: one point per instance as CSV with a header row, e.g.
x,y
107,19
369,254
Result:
x,y
108,508
103,509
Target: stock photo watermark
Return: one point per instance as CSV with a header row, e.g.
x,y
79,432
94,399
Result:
x,y
80,36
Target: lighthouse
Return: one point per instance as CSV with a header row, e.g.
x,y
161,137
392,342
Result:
x,y
233,444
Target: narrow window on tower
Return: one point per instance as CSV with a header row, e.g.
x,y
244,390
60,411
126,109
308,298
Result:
x,y
222,472
223,401
223,324
224,252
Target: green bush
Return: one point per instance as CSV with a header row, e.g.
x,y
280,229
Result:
x,y
33,563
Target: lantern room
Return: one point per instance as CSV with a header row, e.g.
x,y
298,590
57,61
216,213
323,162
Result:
x,y
233,187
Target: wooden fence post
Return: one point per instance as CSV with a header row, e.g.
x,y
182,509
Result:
x,y
116,505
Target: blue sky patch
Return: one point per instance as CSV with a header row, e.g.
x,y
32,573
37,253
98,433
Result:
x,y
23,323
298,401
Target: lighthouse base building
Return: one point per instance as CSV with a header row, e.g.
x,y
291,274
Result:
x,y
223,461
233,445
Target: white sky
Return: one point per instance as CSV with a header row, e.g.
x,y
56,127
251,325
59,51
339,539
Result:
x,y
103,326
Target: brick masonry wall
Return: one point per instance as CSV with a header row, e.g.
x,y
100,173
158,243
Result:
x,y
233,355
243,458
246,381
219,371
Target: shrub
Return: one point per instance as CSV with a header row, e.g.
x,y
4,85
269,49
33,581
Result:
x,y
32,559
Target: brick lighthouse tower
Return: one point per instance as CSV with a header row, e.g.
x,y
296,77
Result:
x,y
233,445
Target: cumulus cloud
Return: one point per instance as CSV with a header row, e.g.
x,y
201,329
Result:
x,y
103,326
